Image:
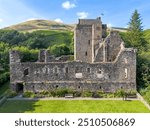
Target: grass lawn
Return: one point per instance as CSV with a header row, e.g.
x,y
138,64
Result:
x,y
73,106
4,88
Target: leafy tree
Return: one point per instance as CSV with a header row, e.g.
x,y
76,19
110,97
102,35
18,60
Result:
x,y
4,54
59,50
27,55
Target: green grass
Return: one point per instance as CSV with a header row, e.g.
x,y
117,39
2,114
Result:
x,y
4,88
73,106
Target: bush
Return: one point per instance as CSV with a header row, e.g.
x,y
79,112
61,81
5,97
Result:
x,y
61,92
4,77
11,94
77,94
28,94
147,96
95,95
86,94
119,93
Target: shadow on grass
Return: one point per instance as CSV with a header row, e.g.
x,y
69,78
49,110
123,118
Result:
x,y
19,106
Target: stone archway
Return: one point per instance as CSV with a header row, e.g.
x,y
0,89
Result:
x,y
19,87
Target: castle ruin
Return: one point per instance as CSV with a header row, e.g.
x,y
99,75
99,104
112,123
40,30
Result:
x,y
101,62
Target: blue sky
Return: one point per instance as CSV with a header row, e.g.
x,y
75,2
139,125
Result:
x,y
116,12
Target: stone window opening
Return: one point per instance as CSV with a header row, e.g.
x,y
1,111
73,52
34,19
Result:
x,y
79,87
125,60
78,69
89,70
26,72
126,73
99,71
66,70
19,87
86,53
89,42
56,70
100,87
56,86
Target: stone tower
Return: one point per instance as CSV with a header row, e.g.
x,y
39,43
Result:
x,y
87,36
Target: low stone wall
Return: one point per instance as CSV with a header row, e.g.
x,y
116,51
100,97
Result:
x,y
79,86
143,101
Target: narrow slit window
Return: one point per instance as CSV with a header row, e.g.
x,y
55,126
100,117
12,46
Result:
x,y
55,70
67,70
89,42
26,72
126,73
88,70
86,53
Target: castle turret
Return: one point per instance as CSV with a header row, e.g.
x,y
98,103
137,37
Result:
x,y
14,56
88,34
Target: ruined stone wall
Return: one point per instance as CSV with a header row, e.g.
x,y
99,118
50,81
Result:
x,y
78,75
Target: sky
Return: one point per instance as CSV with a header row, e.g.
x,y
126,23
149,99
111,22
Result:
x,y
114,13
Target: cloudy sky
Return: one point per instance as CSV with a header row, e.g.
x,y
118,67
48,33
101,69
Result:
x,y
115,13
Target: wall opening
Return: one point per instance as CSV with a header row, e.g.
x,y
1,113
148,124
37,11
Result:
x,y
126,73
125,60
99,71
88,70
89,42
67,70
56,70
19,87
86,53
26,72
56,86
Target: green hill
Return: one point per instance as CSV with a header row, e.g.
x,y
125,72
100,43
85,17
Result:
x,y
33,25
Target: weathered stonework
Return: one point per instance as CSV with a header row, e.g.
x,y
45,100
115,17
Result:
x,y
101,63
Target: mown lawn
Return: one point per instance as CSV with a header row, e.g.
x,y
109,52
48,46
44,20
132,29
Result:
x,y
73,106
4,88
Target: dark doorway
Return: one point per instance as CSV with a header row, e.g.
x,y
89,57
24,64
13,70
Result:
x,y
19,87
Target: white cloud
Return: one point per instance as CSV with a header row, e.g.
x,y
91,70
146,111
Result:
x,y
31,19
1,20
109,25
58,20
82,15
68,5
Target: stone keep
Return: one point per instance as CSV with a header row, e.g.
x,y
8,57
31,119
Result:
x,y
101,62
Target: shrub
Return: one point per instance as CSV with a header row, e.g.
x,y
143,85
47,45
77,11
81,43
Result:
x,y
95,95
77,94
61,92
28,94
11,94
86,94
4,77
119,93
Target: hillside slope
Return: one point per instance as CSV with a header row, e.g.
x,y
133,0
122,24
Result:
x,y
33,25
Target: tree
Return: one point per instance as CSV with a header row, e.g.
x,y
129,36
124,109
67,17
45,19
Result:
x,y
134,36
59,50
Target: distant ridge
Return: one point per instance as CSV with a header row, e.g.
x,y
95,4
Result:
x,y
33,25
